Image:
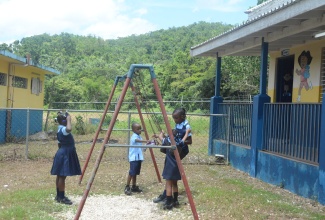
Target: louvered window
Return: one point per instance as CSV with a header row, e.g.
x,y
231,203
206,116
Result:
x,y
322,74
36,86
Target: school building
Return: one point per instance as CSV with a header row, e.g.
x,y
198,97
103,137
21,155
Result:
x,y
21,87
279,138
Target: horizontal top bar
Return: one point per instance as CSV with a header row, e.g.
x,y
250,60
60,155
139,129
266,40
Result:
x,y
140,146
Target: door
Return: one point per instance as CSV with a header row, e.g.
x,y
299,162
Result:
x,y
284,79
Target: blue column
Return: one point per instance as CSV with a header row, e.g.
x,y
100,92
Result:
x,y
321,178
215,100
258,103
218,77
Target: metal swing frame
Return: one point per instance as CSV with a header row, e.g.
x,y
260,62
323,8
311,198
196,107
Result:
x,y
127,83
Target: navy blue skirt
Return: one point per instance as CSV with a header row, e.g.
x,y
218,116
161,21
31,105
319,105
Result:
x,y
171,171
66,162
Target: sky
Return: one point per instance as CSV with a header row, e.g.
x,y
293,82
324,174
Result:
x,y
111,19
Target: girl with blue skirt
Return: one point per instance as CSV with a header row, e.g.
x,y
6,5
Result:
x,y
66,162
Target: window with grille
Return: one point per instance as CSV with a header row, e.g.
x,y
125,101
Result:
x,y
322,74
3,79
19,82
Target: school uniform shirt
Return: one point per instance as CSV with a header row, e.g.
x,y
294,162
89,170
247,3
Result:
x,y
171,171
181,132
182,124
135,154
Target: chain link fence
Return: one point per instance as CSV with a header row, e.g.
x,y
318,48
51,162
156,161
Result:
x,y
31,134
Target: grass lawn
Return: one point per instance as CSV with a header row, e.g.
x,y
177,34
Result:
x,y
219,192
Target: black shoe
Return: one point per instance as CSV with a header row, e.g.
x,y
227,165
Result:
x,y
127,190
136,189
168,206
160,198
176,204
64,200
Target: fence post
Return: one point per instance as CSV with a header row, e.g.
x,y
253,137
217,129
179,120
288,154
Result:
x,y
228,134
129,133
27,133
215,108
129,127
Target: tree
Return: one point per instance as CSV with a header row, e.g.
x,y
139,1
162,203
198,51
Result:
x,y
88,65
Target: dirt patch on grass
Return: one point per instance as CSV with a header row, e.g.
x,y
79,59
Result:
x,y
120,207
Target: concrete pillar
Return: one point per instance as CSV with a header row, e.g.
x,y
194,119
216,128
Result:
x,y
321,178
215,100
258,104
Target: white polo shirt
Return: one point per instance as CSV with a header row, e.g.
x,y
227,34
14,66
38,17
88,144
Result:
x,y
135,154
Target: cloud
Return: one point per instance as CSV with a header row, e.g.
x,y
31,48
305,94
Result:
x,y
142,11
108,19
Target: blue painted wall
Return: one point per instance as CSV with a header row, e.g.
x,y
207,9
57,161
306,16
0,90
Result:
x,y
239,157
3,114
19,123
35,121
297,177
219,147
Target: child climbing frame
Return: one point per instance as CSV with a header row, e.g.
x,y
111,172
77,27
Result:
x,y
130,79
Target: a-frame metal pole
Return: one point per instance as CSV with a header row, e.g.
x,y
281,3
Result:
x,y
99,127
102,150
178,159
110,129
146,132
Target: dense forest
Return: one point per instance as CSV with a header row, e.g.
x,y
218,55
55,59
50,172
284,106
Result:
x,y
90,64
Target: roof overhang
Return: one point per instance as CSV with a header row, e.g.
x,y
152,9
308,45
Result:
x,y
14,59
294,23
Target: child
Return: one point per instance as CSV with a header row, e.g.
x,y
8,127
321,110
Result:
x,y
66,162
135,159
171,172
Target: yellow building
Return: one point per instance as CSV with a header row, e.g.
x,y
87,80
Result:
x,y
21,81
297,74
21,96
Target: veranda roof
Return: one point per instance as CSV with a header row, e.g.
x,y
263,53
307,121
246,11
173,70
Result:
x,y
283,25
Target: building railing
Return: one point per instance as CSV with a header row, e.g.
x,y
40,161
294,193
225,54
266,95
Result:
x,y
240,129
292,130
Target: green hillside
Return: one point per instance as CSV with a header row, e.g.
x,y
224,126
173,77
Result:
x,y
89,64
